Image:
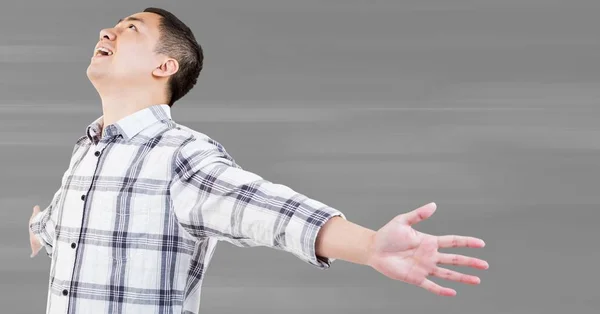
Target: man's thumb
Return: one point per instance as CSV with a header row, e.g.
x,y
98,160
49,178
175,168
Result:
x,y
36,209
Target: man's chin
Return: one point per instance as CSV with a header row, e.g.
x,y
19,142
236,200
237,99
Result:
x,y
95,74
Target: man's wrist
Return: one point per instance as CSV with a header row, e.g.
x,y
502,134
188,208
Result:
x,y
370,249
345,240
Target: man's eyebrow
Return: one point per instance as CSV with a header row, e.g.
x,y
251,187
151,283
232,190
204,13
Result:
x,y
131,18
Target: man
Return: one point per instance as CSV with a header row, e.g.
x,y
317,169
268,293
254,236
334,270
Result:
x,y
144,200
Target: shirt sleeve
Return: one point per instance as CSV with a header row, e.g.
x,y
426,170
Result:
x,y
214,197
43,225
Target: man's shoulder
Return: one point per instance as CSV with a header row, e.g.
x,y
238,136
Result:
x,y
194,142
193,139
187,133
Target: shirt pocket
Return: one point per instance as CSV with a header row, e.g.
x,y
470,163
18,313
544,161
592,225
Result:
x,y
119,229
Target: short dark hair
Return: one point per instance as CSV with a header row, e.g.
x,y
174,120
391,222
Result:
x,y
177,40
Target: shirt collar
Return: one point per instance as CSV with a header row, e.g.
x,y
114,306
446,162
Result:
x,y
130,125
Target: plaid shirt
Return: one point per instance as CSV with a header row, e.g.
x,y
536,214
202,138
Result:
x,y
141,207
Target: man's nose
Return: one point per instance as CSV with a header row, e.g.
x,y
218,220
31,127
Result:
x,y
108,34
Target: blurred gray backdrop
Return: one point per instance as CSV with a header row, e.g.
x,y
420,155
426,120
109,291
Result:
x,y
488,108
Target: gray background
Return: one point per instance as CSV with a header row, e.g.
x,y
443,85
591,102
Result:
x,y
488,108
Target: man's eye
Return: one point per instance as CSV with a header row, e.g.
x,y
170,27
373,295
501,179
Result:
x,y
131,25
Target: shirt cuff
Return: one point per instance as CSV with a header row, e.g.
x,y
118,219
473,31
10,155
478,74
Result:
x,y
39,230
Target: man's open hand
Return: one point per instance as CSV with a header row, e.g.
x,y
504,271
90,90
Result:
x,y
400,252
36,246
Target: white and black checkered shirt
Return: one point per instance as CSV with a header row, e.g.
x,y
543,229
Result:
x,y
140,210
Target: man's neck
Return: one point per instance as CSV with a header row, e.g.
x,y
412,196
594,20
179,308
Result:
x,y
117,107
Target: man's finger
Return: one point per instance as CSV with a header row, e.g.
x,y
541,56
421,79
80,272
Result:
x,y
437,289
456,276
36,210
461,260
454,241
419,214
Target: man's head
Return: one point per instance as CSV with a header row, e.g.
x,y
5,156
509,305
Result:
x,y
150,50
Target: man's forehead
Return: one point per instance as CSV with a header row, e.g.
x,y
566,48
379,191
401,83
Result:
x,y
149,19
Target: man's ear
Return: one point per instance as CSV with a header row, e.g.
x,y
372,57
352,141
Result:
x,y
166,68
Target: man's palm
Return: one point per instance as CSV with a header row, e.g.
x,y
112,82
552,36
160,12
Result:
x,y
402,253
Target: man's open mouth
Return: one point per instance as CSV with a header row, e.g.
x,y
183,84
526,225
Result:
x,y
102,51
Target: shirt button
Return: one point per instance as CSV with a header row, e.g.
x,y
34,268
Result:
x,y
65,292
83,197
97,153
73,245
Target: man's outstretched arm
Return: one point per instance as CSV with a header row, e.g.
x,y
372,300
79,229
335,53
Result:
x,y
400,252
213,197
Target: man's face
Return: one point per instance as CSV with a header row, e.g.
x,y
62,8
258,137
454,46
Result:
x,y
130,59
